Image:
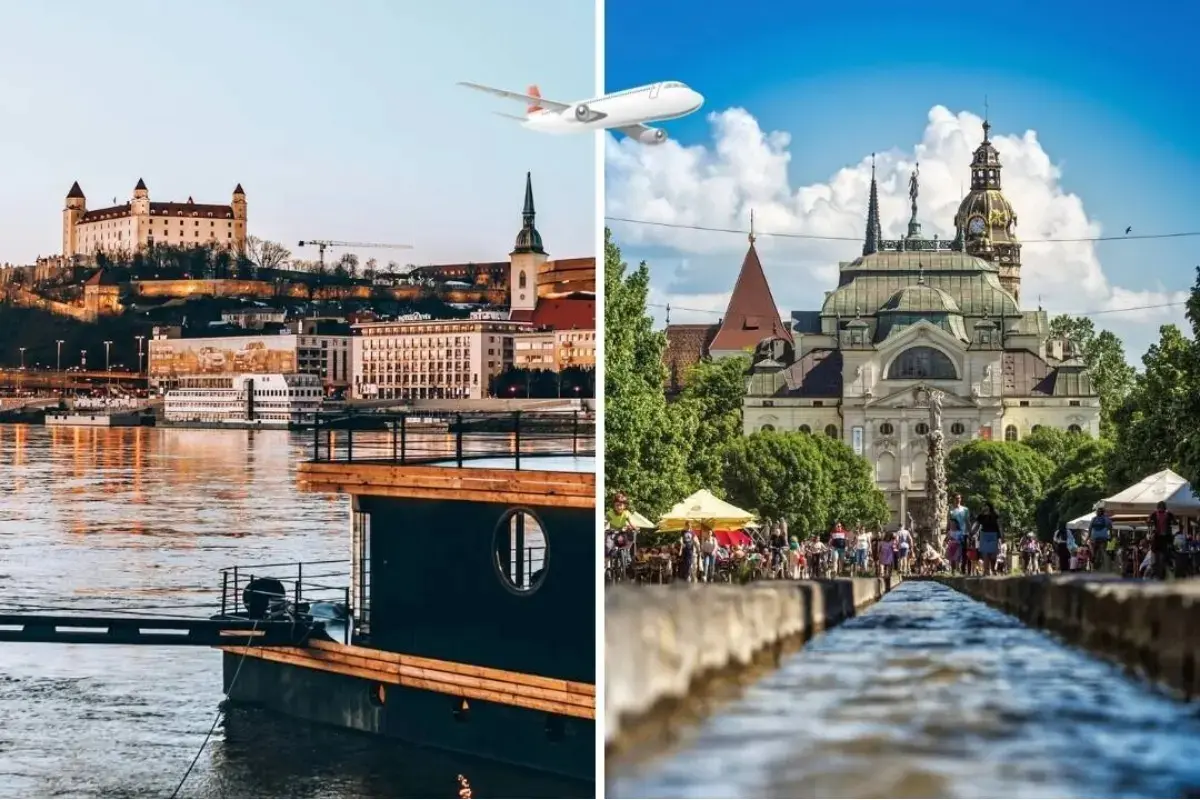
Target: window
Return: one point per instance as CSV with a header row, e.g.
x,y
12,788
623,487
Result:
x,y
958,429
1074,429
1010,433
805,429
886,429
922,428
1035,429
922,362
521,280
767,428
521,550
831,431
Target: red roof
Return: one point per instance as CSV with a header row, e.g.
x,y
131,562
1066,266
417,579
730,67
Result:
x,y
752,314
560,314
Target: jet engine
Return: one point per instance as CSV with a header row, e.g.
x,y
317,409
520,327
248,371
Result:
x,y
652,136
582,112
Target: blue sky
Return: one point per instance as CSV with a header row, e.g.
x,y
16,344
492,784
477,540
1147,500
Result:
x,y
342,121
1110,94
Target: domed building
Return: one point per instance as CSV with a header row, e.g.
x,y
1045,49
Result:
x,y
916,315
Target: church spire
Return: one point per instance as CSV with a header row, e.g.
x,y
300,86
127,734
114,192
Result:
x,y
874,230
528,239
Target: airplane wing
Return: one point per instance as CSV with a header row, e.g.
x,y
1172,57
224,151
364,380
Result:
x,y
524,98
644,133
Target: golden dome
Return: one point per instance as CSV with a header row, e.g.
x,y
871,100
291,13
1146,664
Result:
x,y
997,215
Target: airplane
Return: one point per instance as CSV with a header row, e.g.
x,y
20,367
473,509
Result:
x,y
626,111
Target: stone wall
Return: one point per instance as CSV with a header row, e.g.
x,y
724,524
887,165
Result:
x,y
660,640
267,290
1152,628
27,299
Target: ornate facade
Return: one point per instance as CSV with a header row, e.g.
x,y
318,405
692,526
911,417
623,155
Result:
x,y
913,317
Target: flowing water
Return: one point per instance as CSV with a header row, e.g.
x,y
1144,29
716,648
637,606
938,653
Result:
x,y
145,518
931,694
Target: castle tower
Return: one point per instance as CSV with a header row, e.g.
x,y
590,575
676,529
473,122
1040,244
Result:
x,y
239,219
527,257
139,210
73,211
986,223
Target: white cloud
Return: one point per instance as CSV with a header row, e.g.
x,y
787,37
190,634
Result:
x,y
746,168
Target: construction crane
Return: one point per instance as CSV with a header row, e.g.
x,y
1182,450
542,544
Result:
x,y
321,244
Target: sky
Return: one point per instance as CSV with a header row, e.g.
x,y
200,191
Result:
x,y
341,121
1092,110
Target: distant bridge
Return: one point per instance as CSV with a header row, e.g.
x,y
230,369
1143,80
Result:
x,y
37,379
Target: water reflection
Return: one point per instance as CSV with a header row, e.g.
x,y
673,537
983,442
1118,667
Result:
x,y
138,518
930,694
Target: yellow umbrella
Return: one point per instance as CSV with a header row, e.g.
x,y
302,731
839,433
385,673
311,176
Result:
x,y
706,508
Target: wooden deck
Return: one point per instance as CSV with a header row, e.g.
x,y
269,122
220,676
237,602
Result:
x,y
467,681
511,487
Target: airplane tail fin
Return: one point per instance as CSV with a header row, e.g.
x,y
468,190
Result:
x,y
534,91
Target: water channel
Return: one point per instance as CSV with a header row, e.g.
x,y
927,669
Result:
x,y
931,694
95,519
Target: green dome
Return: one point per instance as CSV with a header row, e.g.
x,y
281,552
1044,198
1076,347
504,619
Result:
x,y
920,299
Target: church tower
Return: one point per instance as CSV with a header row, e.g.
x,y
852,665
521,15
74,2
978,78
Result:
x,y
526,259
139,209
985,223
73,212
239,219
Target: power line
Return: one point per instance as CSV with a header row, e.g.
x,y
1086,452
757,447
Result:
x,y
672,307
815,237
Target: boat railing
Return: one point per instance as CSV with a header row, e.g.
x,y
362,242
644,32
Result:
x,y
452,438
260,590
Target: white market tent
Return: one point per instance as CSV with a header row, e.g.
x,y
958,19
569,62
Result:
x,y
1145,495
1084,523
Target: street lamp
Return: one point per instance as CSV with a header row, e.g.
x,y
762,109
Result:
x,y
140,341
22,349
58,366
107,369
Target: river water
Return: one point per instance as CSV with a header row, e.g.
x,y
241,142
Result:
x,y
145,518
931,694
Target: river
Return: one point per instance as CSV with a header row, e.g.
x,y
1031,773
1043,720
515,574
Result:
x,y
94,519
931,694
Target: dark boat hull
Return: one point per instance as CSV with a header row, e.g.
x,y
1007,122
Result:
x,y
547,742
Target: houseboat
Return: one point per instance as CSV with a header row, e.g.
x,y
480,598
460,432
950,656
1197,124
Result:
x,y
99,413
243,401
469,592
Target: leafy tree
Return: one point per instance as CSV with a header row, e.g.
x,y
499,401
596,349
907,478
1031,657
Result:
x,y
1009,475
1055,444
646,446
1154,424
1078,482
780,475
714,394
856,499
1104,355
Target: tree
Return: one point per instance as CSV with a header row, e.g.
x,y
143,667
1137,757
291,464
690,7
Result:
x,y
780,475
1056,444
1154,424
371,270
1009,475
856,499
1076,485
265,254
646,446
714,394
346,268
1104,356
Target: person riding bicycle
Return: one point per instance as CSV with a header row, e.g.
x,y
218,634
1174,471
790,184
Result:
x,y
1101,532
778,544
619,522
1029,551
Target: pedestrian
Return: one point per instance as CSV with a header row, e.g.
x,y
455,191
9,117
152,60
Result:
x,y
990,533
904,543
837,542
862,546
1101,529
887,555
1062,547
687,553
1162,523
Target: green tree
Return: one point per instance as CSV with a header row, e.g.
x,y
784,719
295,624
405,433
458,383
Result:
x,y
1104,355
1155,423
781,476
1009,475
1076,484
856,499
1055,444
714,394
646,446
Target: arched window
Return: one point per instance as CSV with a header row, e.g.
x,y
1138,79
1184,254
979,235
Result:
x,y
521,280
886,429
831,431
1035,429
805,429
1010,433
918,363
1074,429
767,428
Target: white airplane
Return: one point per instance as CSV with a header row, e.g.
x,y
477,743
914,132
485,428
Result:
x,y
626,111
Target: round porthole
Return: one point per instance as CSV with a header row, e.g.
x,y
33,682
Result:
x,y
958,429
921,429
521,551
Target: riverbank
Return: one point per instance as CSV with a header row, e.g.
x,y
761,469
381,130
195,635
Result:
x,y
1148,627
662,641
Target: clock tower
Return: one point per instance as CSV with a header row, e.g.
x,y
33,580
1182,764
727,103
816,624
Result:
x,y
985,223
